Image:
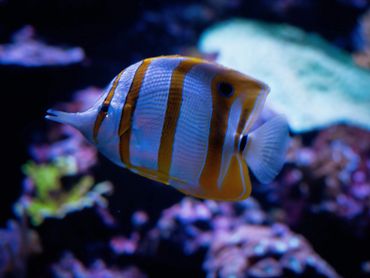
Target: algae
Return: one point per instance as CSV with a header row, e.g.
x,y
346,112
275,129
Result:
x,y
48,197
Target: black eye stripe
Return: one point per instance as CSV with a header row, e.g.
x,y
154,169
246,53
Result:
x,y
225,89
104,108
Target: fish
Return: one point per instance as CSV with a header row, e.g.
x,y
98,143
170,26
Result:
x,y
186,122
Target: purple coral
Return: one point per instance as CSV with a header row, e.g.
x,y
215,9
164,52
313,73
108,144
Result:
x,y
69,266
64,153
26,51
65,141
262,251
124,245
238,239
17,242
194,222
334,172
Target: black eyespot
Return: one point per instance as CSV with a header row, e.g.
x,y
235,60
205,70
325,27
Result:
x,y
104,108
225,89
243,143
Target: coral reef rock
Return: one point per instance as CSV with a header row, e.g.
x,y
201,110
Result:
x,y
69,266
26,51
17,242
263,251
238,239
313,83
65,141
59,180
333,176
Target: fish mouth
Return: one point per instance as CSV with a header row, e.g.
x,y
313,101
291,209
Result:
x,y
61,117
51,114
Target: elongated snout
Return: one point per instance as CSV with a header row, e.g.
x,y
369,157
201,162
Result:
x,y
83,121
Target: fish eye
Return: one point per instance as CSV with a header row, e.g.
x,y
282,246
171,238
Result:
x,y
104,108
225,89
243,143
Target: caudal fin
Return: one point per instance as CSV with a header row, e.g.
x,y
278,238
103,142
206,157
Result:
x,y
266,148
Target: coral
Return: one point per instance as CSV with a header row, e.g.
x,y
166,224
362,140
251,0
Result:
x,y
262,251
189,224
63,140
82,100
122,245
26,51
315,85
69,266
129,245
239,239
300,68
64,155
17,242
46,196
332,176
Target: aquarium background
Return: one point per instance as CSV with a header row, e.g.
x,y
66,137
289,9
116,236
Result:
x,y
66,211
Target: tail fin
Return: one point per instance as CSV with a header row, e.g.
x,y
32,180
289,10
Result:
x,y
266,148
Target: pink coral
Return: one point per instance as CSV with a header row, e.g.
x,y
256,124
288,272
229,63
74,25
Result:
x,y
238,239
262,251
65,141
25,50
69,266
335,170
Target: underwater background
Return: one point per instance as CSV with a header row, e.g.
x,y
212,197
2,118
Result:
x,y
66,211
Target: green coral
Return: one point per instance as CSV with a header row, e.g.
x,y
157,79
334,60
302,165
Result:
x,y
312,82
51,199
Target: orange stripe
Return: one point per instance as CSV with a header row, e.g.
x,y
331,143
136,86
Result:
x,y
247,90
218,128
219,122
172,114
106,103
128,111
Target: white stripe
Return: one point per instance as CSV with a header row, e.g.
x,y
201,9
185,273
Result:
x,y
149,115
242,176
192,131
228,147
108,133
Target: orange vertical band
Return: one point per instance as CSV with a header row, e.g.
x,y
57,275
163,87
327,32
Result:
x,y
128,111
106,103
